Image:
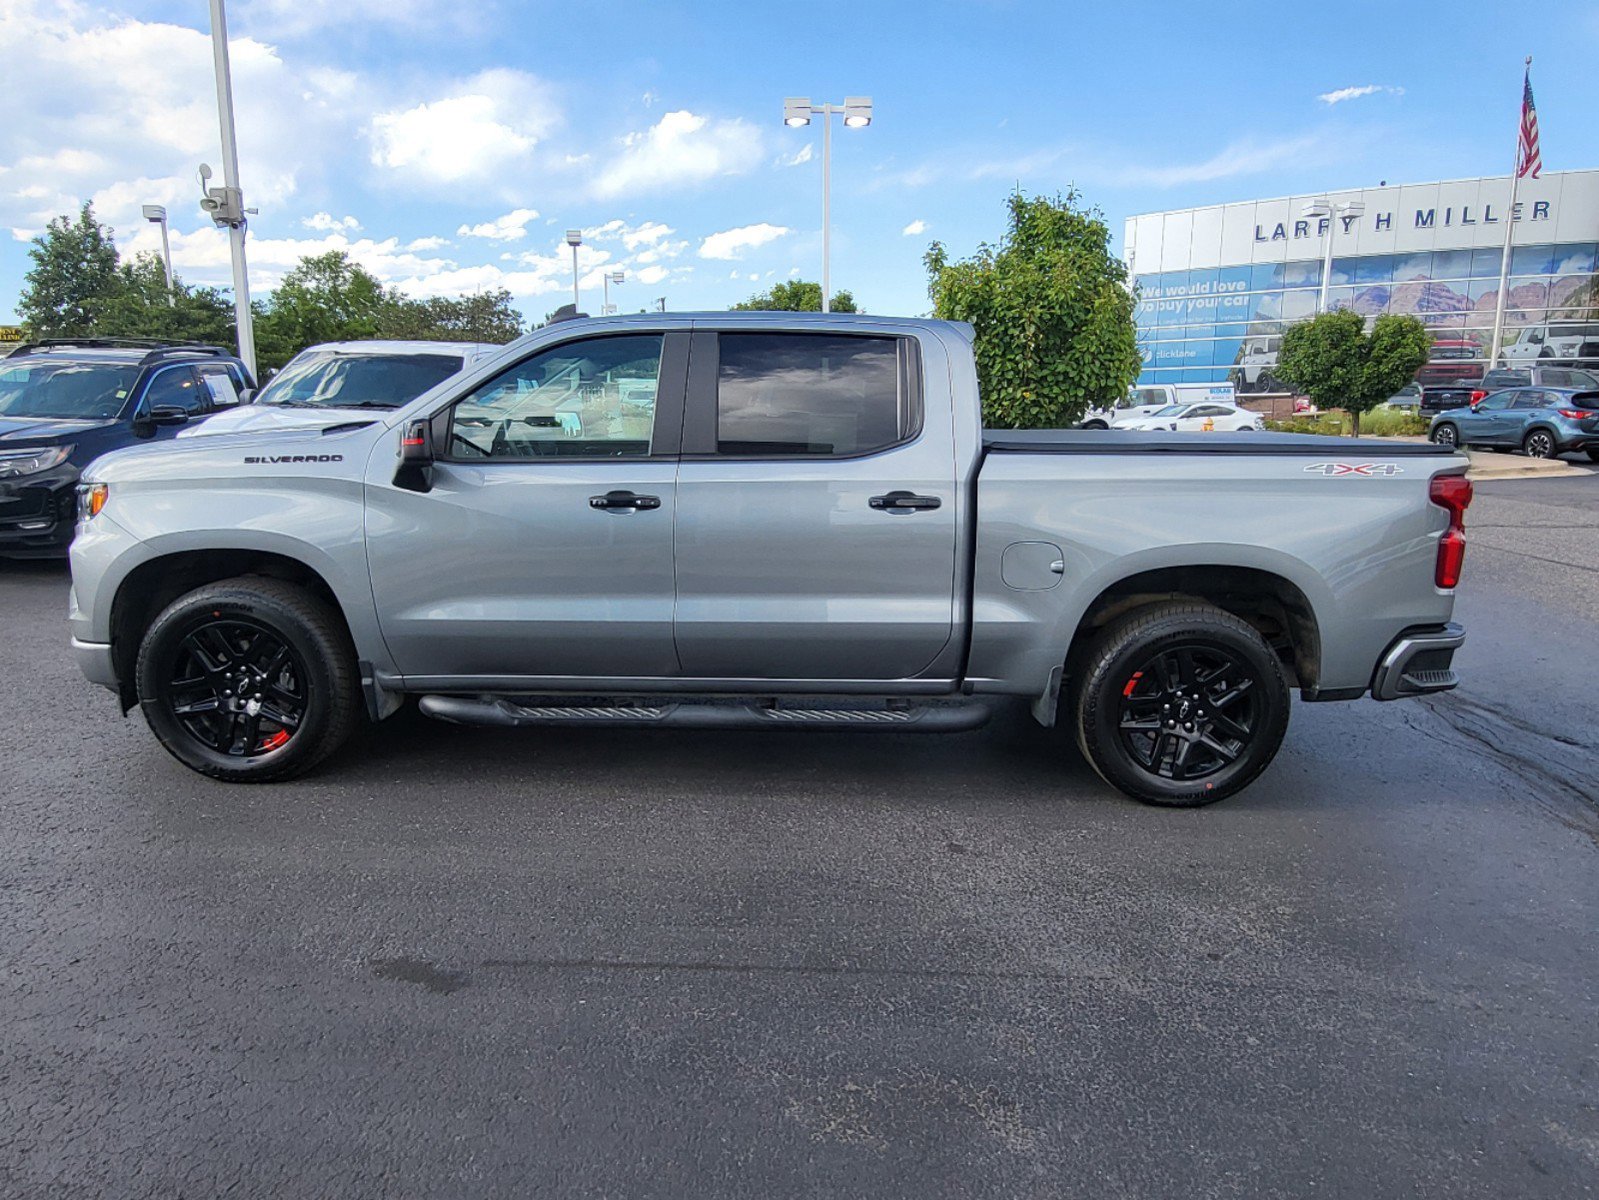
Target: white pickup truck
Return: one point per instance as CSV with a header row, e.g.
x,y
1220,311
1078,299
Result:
x,y
768,521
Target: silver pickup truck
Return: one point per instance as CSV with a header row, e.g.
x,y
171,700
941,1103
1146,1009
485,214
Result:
x,y
766,521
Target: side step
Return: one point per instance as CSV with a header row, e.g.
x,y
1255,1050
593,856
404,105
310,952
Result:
x,y
911,718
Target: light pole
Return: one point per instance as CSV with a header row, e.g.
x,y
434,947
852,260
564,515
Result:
x,y
610,278
660,304
226,204
157,214
1322,210
857,114
574,239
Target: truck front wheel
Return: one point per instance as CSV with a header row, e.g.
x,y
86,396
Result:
x,y
249,680
1179,704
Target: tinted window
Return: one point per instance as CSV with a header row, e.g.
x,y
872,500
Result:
x,y
589,399
32,387
1556,378
1583,379
343,380
1495,402
176,387
1584,400
1526,400
1499,379
802,393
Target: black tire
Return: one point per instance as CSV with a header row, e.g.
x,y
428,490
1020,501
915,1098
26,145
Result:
x,y
1096,424
1121,686
1593,455
208,642
1540,443
1445,435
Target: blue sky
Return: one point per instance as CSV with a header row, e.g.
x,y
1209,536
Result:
x,y
449,145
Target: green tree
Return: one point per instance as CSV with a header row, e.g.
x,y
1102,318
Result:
x,y
323,298
1333,359
141,306
1052,313
797,295
483,317
74,273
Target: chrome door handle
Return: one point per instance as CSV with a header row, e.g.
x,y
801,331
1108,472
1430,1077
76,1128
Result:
x,y
624,500
904,502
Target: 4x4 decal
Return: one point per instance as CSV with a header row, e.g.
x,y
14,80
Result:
x,y
1366,469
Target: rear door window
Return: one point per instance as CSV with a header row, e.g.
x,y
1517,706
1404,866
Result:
x,y
810,394
1526,400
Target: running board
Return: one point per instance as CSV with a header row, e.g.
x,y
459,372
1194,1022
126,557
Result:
x,y
910,718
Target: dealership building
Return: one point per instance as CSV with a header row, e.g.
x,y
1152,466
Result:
x,y
1217,286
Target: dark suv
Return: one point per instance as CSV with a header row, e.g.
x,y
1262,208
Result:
x,y
1533,376
65,402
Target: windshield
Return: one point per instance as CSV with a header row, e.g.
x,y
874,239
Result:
x,y
64,390
357,380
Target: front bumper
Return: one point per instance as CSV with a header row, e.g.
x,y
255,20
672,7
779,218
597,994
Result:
x,y
1418,663
38,513
95,661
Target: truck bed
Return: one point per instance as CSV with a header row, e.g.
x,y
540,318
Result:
x,y
1130,441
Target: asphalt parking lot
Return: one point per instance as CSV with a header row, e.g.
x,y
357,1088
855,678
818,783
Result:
x,y
474,963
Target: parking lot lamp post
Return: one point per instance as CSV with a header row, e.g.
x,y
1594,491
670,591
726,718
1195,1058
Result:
x,y
574,239
157,215
226,204
610,278
857,114
1331,213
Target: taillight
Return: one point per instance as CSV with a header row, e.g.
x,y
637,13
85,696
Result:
x,y
1576,414
1453,494
1477,395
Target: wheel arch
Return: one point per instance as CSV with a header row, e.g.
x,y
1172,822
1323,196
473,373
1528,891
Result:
x,y
156,582
1269,600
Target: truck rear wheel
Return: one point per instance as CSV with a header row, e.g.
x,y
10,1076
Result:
x,y
249,680
1180,704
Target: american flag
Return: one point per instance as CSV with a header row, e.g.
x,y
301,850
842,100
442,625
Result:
x,y
1531,160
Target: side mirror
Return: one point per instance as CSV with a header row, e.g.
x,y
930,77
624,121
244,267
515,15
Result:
x,y
247,396
168,414
415,472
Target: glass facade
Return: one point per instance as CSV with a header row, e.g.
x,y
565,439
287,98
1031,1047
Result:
x,y
1225,324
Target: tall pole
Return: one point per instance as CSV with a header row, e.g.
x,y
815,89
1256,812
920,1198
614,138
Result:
x,y
574,278
827,202
166,262
1326,259
230,177
1510,229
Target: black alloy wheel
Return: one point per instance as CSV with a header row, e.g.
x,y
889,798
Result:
x,y
1189,711
1540,443
1178,703
237,687
249,679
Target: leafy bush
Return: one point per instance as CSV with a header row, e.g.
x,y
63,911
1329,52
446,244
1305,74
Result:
x,y
1333,360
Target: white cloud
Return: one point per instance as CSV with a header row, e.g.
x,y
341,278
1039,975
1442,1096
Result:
x,y
426,243
107,107
327,223
482,129
682,148
650,275
650,98
1339,95
647,234
731,243
802,155
915,227
1247,157
509,228
296,18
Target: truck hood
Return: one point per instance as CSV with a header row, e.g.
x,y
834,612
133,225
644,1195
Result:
x,y
21,432
264,418
257,454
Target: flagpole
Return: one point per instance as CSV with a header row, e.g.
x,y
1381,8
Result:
x,y
1510,223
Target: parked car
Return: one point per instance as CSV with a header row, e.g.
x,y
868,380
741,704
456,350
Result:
x,y
1532,376
352,377
1542,422
64,402
1564,342
807,528
1437,397
1198,418
1407,398
1147,398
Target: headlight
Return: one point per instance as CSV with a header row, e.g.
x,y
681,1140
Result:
x,y
31,462
91,499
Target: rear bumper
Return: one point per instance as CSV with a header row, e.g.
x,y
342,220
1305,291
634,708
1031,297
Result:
x,y
95,661
1419,662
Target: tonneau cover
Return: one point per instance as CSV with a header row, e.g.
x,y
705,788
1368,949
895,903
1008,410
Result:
x,y
1132,441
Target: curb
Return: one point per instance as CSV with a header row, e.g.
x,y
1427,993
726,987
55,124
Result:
x,y
1486,464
